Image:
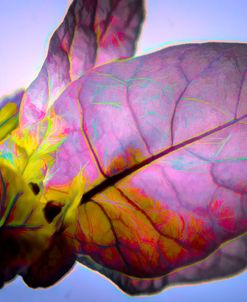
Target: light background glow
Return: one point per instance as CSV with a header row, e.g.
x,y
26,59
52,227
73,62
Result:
x,y
25,29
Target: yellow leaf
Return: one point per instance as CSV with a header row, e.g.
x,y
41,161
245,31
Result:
x,y
8,119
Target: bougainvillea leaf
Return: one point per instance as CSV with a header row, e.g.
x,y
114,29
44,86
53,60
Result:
x,y
92,33
166,185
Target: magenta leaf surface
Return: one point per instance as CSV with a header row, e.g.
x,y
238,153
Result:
x,y
164,143
92,33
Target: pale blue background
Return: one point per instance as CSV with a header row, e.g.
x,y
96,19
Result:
x,y
25,28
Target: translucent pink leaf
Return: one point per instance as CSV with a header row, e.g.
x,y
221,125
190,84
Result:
x,y
93,32
163,138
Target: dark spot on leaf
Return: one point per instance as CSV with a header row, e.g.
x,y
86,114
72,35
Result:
x,y
35,188
51,210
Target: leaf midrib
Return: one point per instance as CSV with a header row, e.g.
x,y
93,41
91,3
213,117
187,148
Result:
x,y
110,181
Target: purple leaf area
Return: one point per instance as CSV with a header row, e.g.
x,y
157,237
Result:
x,y
92,33
163,140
